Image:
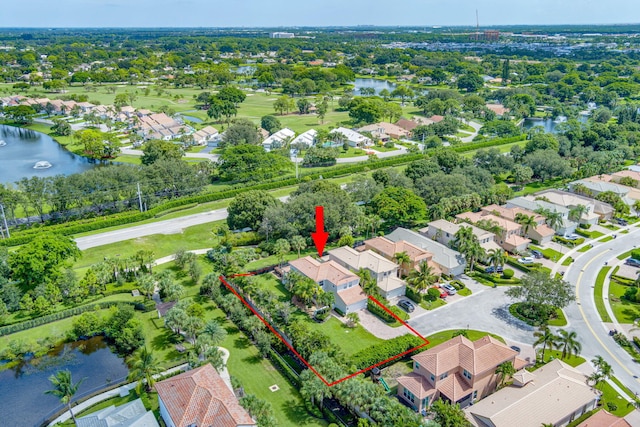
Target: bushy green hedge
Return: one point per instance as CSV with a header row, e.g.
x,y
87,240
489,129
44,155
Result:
x,y
413,295
17,327
283,367
507,273
487,144
389,348
380,312
567,242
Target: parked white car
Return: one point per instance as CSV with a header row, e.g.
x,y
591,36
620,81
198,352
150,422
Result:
x,y
526,260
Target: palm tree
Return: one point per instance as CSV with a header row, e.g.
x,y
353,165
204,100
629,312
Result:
x,y
636,207
577,211
422,277
368,284
568,341
505,370
602,367
147,285
527,222
403,259
298,243
214,332
553,219
474,253
143,367
64,389
546,338
497,257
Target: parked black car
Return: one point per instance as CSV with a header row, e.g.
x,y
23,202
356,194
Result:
x,y
536,254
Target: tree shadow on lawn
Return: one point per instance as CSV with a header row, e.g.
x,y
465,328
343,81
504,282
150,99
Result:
x,y
166,340
631,313
296,412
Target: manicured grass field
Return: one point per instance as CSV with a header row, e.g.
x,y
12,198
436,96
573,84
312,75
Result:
x,y
556,354
597,292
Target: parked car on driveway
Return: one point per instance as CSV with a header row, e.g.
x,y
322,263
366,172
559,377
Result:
x,y
571,236
526,260
536,254
633,262
406,305
449,288
621,221
491,269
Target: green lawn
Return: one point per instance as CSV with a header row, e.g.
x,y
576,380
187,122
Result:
x,y
548,253
556,354
427,305
383,149
473,335
597,292
610,395
567,261
625,255
624,311
465,292
351,152
350,341
585,248
559,320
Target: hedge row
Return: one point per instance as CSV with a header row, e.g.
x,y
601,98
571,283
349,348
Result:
x,y
377,353
487,144
413,295
17,327
284,368
380,312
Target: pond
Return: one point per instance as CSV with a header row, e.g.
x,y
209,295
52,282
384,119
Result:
x,y
244,69
376,84
22,387
549,125
24,148
191,118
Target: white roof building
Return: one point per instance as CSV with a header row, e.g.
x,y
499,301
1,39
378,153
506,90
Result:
x,y
277,139
352,137
307,138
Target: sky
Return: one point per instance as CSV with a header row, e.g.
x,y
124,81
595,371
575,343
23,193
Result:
x,y
287,13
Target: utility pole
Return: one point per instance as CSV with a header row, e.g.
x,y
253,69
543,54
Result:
x,y
140,197
4,218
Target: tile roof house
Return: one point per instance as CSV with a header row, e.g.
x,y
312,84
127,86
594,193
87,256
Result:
x,y
499,109
458,370
510,237
388,129
597,209
534,203
596,185
131,414
635,175
200,397
603,418
334,278
388,249
384,271
206,135
541,233
306,139
449,261
557,394
406,124
443,231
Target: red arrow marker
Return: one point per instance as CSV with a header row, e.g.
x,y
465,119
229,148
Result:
x,y
320,237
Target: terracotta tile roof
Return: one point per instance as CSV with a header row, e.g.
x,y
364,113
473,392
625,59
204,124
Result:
x,y
454,387
330,270
200,397
352,295
474,356
516,241
503,223
356,260
510,213
603,418
408,125
417,384
388,249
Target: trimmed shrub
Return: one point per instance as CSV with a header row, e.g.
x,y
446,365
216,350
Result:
x,y
413,295
380,312
507,273
432,294
284,367
389,348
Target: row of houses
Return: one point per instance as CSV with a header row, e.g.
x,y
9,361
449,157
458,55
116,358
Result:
x,y
145,123
464,372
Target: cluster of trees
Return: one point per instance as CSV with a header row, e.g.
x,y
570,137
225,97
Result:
x,y
222,104
120,325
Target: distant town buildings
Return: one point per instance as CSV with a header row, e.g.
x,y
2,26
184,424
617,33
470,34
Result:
x,y
281,35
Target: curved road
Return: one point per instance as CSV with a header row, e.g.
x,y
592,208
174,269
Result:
x,y
583,316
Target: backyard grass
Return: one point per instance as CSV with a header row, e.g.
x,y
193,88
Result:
x,y
597,292
573,360
473,335
610,395
348,340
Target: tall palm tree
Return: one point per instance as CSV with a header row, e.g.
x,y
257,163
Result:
x,y
214,332
497,257
505,370
298,243
474,253
143,367
64,389
553,219
568,342
422,277
546,338
577,211
368,284
602,366
527,222
403,259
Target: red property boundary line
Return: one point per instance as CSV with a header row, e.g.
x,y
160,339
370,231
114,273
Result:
x,y
290,347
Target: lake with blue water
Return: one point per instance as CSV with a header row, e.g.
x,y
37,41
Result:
x,y
376,84
22,399
23,148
